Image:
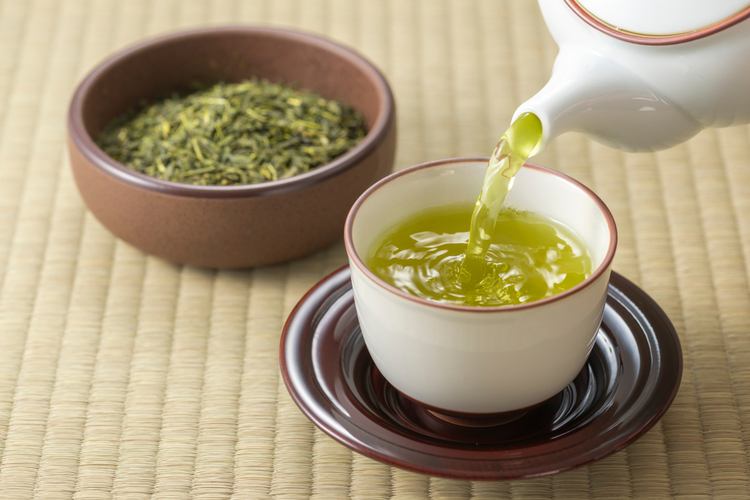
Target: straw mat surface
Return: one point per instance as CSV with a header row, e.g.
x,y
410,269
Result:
x,y
124,376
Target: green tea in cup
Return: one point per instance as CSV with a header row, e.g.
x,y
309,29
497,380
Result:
x,y
463,358
529,257
486,254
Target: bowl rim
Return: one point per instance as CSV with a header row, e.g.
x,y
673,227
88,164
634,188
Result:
x,y
375,136
356,260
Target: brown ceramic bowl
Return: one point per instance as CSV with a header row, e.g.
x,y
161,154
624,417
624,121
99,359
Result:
x,y
229,226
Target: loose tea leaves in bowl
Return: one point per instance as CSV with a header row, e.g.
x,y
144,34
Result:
x,y
229,134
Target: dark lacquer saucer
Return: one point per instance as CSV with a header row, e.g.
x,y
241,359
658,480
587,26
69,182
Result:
x,y
628,383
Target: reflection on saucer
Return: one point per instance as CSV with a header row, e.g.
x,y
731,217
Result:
x,y
626,385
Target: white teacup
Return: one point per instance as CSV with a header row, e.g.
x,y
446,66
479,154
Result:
x,y
479,360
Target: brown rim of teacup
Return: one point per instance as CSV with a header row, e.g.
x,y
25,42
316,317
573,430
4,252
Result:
x,y
375,135
357,261
644,39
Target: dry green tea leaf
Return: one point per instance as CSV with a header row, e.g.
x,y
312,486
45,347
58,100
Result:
x,y
230,134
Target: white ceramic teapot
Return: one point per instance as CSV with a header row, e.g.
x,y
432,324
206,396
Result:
x,y
643,75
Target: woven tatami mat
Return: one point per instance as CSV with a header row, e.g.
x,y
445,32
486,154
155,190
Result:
x,y
124,376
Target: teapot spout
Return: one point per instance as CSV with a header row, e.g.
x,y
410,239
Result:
x,y
605,101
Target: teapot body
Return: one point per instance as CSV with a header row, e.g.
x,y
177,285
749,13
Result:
x,y
636,96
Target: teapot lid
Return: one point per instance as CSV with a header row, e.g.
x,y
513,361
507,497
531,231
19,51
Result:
x,y
660,22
